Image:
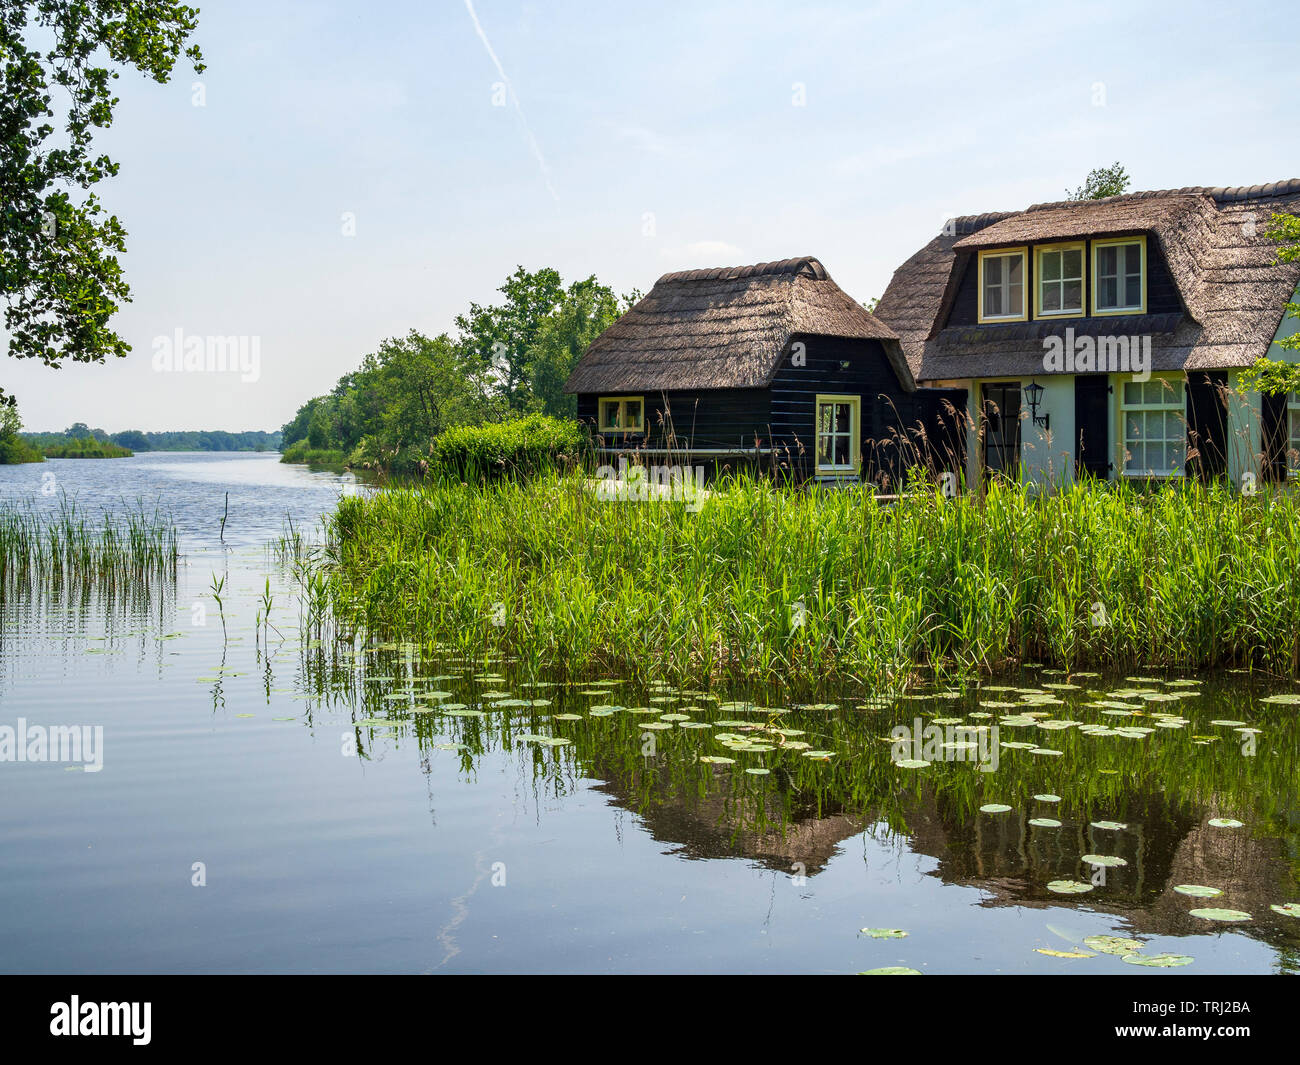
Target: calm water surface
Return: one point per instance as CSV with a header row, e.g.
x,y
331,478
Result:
x,y
385,809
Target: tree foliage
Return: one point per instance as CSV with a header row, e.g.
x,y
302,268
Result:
x,y
507,360
60,277
1273,376
1104,181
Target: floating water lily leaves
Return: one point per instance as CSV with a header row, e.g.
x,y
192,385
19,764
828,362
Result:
x,y
883,933
1044,822
1198,891
1064,953
891,970
1287,699
1112,944
1286,909
758,771
1157,961
1225,822
1109,861
912,763
995,808
1110,826
717,759
1048,797
1211,913
1068,887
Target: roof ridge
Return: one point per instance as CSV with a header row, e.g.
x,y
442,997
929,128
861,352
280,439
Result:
x,y
806,265
965,225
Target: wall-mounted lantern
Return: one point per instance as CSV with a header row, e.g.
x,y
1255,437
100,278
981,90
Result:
x,y
1034,395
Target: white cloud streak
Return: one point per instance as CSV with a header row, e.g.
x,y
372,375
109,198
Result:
x,y
514,99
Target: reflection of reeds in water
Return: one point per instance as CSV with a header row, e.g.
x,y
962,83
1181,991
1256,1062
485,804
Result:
x,y
116,561
1161,786
771,582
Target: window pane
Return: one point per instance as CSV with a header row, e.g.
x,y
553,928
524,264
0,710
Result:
x,y
1074,263
992,271
1052,297
1015,299
841,417
1015,267
824,414
823,450
1073,299
1132,392
1106,261
634,414
1108,293
1051,264
841,450
992,302
1133,291
1137,457
611,413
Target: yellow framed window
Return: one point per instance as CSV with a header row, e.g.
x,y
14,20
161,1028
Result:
x,y
1058,284
1119,276
1154,416
1002,285
621,414
839,434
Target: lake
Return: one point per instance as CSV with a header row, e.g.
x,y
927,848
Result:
x,y
267,799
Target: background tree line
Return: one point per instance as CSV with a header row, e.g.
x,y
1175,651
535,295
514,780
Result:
x,y
505,361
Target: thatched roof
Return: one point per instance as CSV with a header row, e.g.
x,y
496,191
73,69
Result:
x,y
726,327
1232,291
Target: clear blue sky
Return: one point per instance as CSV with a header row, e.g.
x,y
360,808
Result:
x,y
687,111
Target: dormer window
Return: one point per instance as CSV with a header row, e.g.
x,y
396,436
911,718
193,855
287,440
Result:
x,y
1119,276
1059,285
1002,285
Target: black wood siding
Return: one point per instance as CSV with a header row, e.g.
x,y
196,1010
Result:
x,y
780,419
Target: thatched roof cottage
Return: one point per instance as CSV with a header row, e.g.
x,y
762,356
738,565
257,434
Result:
x,y
1101,336
773,361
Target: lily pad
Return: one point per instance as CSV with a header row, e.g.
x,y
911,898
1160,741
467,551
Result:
x,y
1224,822
1048,797
1112,944
912,763
1068,887
1198,891
995,808
883,933
1157,961
1212,913
1110,826
1064,953
1286,909
1107,860
1044,822
891,970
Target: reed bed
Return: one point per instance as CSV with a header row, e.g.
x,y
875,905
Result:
x,y
71,547
768,582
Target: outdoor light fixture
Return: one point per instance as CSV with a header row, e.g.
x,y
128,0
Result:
x,y
1034,393
844,364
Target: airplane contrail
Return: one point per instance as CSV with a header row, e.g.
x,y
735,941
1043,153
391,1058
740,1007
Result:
x,y
523,120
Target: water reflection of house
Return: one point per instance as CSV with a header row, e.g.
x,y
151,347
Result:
x,y
716,825
1012,861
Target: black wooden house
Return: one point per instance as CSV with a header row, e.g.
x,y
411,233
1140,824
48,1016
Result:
x,y
772,365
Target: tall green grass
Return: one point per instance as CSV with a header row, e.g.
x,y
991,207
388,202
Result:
x,y
766,581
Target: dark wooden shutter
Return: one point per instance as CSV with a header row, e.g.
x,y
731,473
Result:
x,y
1092,447
1273,430
1207,425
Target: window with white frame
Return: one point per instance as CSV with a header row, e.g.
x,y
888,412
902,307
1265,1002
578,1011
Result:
x,y
1060,280
622,414
1002,285
838,421
1154,416
1119,276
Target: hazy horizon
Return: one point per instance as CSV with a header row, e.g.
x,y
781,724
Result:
x,y
461,140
